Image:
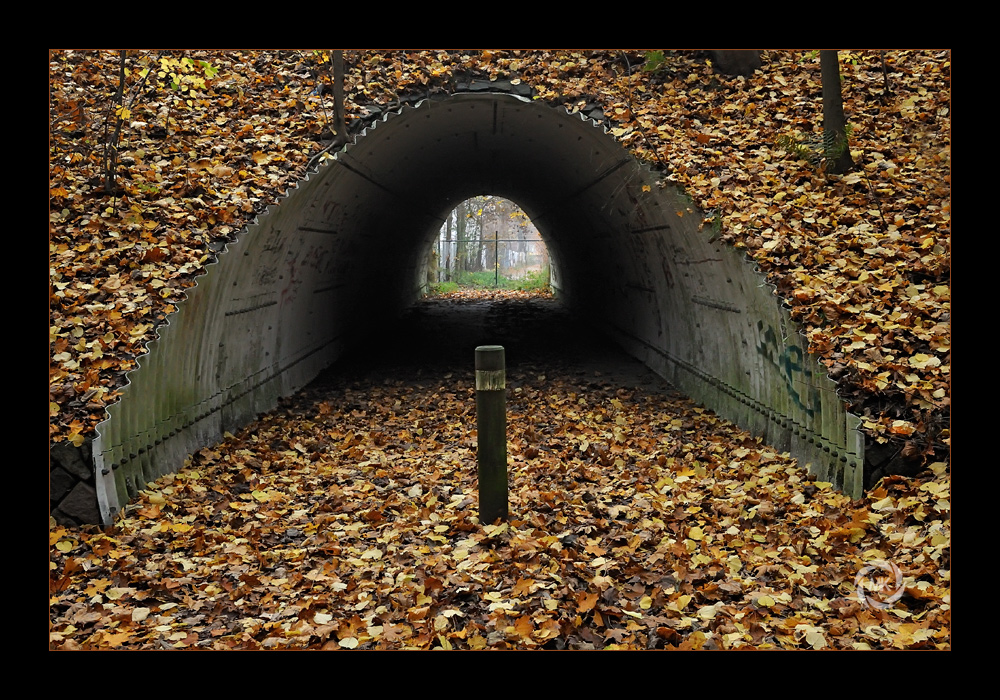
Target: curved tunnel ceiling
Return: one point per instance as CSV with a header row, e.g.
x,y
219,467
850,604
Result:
x,y
284,300
415,167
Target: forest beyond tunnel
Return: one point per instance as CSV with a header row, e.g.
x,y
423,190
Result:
x,y
347,251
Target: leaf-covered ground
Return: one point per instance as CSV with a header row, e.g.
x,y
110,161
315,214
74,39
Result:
x,y
348,519
682,532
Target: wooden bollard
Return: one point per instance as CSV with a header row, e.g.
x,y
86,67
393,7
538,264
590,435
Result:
x,y
491,423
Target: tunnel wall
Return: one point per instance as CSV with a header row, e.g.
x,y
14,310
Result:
x,y
248,333
296,288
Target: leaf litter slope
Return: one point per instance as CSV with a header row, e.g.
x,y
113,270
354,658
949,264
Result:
x,y
348,519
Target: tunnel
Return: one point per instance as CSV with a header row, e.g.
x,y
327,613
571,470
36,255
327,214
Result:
x,y
348,248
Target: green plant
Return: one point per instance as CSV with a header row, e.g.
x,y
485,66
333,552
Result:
x,y
444,288
482,278
713,222
655,60
534,279
817,150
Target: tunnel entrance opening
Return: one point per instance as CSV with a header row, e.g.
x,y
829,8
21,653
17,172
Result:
x,y
631,257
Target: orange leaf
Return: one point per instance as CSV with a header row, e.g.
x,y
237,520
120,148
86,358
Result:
x,y
524,626
586,602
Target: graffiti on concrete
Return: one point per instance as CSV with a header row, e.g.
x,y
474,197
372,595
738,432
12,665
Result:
x,y
315,257
789,358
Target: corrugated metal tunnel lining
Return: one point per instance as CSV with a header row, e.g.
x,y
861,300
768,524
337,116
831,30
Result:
x,y
284,300
408,172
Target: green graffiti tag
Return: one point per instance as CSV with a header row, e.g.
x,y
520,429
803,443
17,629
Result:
x,y
788,358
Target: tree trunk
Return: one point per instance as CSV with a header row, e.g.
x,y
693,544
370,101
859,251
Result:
x,y
476,249
446,253
109,165
836,148
461,261
338,98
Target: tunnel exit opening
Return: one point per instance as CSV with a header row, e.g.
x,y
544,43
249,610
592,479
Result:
x,y
488,241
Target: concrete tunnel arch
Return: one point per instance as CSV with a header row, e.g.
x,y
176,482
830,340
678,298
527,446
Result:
x,y
282,302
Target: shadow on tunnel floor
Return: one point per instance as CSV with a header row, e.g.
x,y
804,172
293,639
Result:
x,y
437,337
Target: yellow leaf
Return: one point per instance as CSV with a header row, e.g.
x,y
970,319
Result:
x,y
708,612
885,504
901,427
921,361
